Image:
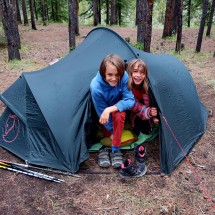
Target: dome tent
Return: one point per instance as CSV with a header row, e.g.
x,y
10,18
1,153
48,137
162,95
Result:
x,y
49,111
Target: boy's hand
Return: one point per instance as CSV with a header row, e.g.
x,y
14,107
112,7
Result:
x,y
104,116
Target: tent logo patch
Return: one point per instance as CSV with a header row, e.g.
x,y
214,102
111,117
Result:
x,y
12,128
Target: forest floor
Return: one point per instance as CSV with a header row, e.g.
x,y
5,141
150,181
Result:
x,y
180,193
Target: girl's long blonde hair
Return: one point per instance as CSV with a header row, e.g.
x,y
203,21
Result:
x,y
144,85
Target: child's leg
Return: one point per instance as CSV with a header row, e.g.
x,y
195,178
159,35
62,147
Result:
x,y
118,126
105,132
142,126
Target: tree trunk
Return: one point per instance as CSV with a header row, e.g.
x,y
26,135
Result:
x,y
19,20
107,12
119,10
188,13
144,27
169,17
56,11
140,22
35,10
179,25
52,11
210,19
11,31
43,13
47,11
76,19
148,36
95,13
99,11
24,11
72,23
33,24
113,18
137,9
175,17
202,25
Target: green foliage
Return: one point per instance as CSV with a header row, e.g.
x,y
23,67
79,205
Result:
x,y
2,38
159,13
212,83
23,65
127,12
139,46
190,54
171,38
58,11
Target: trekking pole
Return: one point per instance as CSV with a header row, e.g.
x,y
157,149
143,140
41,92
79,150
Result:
x,y
41,169
29,172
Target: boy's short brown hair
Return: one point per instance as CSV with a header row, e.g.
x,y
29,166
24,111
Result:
x,y
114,60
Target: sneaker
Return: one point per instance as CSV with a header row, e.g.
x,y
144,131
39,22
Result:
x,y
116,159
140,154
129,170
103,158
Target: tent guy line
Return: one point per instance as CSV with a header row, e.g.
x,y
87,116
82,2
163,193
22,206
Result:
x,y
188,162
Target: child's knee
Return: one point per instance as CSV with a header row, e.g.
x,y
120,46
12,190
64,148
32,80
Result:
x,y
119,116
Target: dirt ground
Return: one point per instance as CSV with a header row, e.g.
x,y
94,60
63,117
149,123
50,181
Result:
x,y
153,194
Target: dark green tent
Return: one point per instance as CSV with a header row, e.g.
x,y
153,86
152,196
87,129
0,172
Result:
x,y
48,114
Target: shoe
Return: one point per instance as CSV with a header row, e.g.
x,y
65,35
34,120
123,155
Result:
x,y
116,159
103,158
129,170
140,154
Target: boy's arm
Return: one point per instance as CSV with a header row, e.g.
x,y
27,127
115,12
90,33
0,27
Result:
x,y
127,100
100,107
104,118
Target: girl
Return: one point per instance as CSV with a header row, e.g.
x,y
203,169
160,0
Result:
x,y
143,116
111,97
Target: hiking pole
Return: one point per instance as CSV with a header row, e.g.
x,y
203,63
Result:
x,y
21,170
50,170
41,169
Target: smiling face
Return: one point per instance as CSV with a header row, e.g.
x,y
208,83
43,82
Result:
x,y
111,75
138,74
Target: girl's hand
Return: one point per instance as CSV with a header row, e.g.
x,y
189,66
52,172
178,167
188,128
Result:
x,y
156,120
153,111
104,116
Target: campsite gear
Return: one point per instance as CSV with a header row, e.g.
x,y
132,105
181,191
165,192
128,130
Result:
x,y
116,159
103,157
41,169
50,118
140,140
127,138
22,170
129,170
140,154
